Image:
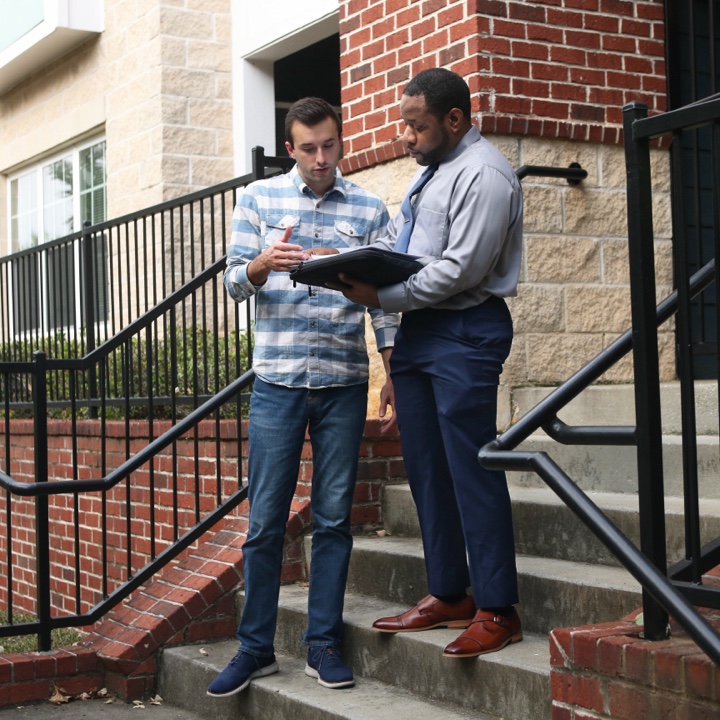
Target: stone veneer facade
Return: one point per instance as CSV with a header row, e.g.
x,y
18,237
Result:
x,y
156,82
574,293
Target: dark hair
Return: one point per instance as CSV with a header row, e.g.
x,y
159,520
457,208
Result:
x,y
443,90
309,111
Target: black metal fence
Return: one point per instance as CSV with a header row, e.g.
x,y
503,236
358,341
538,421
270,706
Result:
x,y
157,357
665,590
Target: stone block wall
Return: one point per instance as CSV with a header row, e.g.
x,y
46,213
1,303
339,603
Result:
x,y
156,82
574,292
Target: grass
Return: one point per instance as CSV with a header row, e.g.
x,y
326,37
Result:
x,y
62,637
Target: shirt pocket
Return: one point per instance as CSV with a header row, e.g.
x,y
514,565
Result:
x,y
350,234
275,227
428,236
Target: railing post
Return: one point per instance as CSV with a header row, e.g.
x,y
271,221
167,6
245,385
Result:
x,y
89,306
42,530
258,162
645,362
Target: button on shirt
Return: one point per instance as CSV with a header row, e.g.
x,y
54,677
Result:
x,y
468,230
304,339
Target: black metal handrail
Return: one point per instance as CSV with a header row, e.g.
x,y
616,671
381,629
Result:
x,y
135,343
67,296
574,173
199,304
664,590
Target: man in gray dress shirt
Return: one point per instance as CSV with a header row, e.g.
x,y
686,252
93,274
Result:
x,y
455,335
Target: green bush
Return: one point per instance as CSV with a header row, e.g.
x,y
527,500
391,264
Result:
x,y
177,370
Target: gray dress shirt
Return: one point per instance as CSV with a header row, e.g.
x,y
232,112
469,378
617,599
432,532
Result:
x,y
468,230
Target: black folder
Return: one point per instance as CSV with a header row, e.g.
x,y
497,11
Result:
x,y
372,264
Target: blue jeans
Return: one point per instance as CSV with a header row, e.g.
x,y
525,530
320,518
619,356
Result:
x,y
279,418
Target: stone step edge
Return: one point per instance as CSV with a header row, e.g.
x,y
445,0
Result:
x,y
367,699
566,570
674,504
361,611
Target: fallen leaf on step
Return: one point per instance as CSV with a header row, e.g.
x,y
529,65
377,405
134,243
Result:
x,y
203,651
59,696
157,700
381,533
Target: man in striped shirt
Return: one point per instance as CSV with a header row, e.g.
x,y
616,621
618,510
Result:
x,y
311,367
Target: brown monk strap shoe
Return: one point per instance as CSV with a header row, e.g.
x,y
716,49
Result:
x,y
429,613
487,633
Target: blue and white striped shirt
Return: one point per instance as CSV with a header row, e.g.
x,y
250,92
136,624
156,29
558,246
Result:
x,y
303,339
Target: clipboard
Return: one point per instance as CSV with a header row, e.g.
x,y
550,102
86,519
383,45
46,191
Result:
x,y
371,264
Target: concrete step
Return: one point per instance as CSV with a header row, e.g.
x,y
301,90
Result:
x,y
553,593
614,469
615,405
185,673
544,526
513,684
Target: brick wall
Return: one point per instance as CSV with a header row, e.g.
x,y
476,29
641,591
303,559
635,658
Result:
x,y
544,68
548,80
171,476
608,672
191,601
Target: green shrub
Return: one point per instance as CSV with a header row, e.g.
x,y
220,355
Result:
x,y
178,370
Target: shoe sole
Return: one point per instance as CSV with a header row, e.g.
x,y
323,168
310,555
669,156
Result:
x,y
311,672
262,672
512,639
449,624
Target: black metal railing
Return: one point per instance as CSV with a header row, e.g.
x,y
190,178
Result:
x,y
664,590
93,509
154,391
67,296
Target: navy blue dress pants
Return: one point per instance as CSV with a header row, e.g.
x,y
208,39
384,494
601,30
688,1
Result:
x,y
445,368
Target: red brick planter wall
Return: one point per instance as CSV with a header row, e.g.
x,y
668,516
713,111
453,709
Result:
x,y
608,672
193,600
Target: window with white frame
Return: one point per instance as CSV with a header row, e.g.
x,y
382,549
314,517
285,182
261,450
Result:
x,y
49,201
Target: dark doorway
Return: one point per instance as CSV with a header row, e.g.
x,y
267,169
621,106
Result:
x,y
693,69
314,70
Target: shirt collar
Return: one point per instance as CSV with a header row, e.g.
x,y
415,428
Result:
x,y
470,137
340,183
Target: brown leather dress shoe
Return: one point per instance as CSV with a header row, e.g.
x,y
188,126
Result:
x,y
427,614
487,633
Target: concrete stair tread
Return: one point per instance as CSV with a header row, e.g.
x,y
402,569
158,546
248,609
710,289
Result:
x,y
615,405
361,611
290,687
580,573
613,469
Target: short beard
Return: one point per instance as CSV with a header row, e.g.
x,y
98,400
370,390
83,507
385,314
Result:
x,y
438,153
